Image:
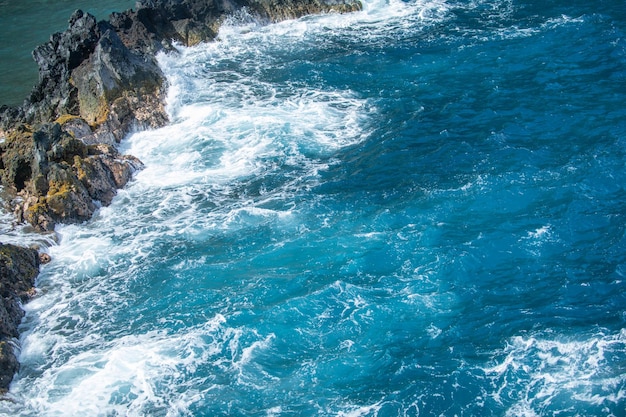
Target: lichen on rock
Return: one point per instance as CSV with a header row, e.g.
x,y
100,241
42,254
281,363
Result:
x,y
57,177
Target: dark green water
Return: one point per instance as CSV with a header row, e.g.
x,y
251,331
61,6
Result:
x,y
27,23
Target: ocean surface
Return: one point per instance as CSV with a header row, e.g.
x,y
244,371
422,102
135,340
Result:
x,y
414,210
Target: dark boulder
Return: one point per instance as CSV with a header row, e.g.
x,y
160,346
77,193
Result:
x,y
54,95
9,365
18,269
57,177
118,90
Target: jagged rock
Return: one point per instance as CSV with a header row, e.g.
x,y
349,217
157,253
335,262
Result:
x,y
76,127
65,149
67,200
44,258
104,171
277,10
59,177
9,365
113,72
18,269
54,95
16,154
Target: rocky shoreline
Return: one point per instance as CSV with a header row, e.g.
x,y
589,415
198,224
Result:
x,y
98,81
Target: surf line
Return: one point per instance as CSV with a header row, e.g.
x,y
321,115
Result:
x,y
98,82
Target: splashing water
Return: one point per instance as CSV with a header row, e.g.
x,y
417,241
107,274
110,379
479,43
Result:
x,y
417,209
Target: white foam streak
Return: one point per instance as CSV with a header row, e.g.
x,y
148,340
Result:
x,y
143,374
427,11
221,141
359,411
536,372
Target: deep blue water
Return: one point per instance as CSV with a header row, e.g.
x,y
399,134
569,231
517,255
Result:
x,y
418,209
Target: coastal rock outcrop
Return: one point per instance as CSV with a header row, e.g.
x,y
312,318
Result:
x,y
98,81
18,269
59,178
157,23
92,91
83,72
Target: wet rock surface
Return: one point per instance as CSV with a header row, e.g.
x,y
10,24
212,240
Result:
x,y
18,269
58,178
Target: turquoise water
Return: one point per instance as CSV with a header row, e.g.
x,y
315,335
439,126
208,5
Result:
x,y
418,209
26,24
